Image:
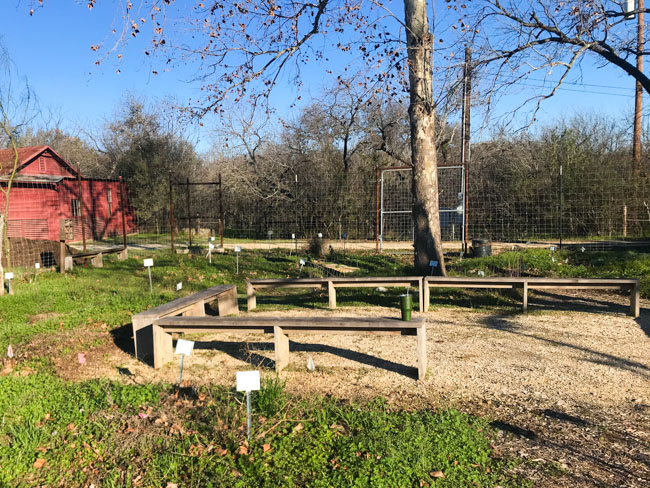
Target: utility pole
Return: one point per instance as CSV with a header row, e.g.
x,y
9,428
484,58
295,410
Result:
x,y
638,99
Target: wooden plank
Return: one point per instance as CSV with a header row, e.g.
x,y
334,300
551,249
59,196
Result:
x,y
422,351
281,348
373,284
310,322
331,294
181,303
494,285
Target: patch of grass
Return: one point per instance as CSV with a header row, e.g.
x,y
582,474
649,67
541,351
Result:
x,y
74,434
565,263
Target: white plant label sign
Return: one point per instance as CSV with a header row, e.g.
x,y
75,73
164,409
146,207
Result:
x,y
9,276
37,265
148,263
179,286
184,347
237,248
248,380
320,234
293,236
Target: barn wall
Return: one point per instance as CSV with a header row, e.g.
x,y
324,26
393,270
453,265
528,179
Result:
x,y
46,164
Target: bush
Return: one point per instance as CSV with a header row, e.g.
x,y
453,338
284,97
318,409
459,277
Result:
x,y
318,246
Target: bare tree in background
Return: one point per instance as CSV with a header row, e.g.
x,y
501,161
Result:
x,y
16,110
242,50
544,41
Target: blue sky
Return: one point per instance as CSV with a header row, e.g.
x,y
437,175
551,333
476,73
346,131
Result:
x,y
52,50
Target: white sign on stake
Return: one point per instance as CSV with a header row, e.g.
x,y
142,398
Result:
x,y
184,347
293,236
37,265
9,276
552,248
148,263
248,380
212,238
302,262
237,248
179,286
320,234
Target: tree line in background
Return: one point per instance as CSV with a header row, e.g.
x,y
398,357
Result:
x,y
317,172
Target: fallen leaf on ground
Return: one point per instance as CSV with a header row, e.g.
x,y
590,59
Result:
x,y
437,474
39,463
266,447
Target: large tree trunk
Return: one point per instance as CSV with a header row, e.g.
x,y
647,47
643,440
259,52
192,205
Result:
x,y
426,215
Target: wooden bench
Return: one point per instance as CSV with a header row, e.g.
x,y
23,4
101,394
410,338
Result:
x,y
190,305
281,328
532,283
332,283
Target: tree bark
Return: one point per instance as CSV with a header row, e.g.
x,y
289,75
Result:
x,y
426,216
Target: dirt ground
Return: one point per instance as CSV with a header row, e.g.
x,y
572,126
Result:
x,y
567,385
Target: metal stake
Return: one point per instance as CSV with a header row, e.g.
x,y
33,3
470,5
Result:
x,y
180,373
248,411
237,254
150,285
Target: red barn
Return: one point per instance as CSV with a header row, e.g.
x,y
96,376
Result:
x,y
46,189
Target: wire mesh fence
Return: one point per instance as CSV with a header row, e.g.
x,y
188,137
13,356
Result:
x,y
555,202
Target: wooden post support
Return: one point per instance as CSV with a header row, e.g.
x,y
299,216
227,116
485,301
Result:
x,y
228,303
635,300
421,295
198,309
425,291
422,350
97,260
250,296
62,257
525,296
281,348
163,349
331,294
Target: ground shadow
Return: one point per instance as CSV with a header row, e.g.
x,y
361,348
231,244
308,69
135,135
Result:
x,y
504,324
644,323
245,351
546,300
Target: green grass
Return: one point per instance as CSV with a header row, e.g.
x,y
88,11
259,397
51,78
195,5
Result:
x,y
575,264
110,434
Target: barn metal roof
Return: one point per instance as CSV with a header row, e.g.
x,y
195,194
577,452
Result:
x,y
46,179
